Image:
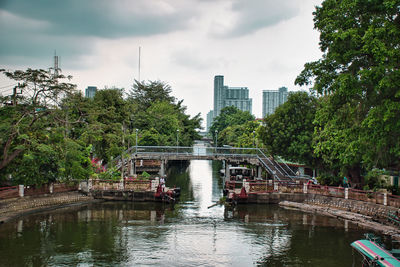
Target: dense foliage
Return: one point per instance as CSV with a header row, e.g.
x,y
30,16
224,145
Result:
x,y
289,131
358,123
234,127
353,124
51,131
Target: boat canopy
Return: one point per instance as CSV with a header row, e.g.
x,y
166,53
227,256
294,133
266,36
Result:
x,y
375,254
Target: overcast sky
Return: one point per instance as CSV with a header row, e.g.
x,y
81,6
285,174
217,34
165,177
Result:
x,y
261,44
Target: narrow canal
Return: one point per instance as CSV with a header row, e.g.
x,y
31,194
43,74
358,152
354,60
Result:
x,y
187,234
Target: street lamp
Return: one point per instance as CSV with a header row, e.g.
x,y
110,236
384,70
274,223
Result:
x,y
216,139
136,138
177,140
254,138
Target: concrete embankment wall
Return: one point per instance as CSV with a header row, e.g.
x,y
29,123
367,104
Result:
x,y
11,208
355,206
118,195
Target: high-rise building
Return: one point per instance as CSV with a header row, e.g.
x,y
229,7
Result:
x,y
90,91
225,96
272,99
210,117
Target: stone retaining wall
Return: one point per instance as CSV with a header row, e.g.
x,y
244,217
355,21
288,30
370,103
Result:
x,y
376,211
17,206
370,209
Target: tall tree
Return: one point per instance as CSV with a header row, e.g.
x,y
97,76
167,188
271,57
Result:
x,y
144,94
359,124
37,100
240,135
159,116
230,116
289,131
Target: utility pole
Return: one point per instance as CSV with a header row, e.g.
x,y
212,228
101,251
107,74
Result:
x,y
14,102
14,97
123,148
139,62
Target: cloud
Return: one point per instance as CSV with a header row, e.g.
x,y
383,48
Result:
x,y
34,29
250,16
101,18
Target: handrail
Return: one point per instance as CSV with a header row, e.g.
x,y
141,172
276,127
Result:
x,y
267,167
287,167
273,164
264,156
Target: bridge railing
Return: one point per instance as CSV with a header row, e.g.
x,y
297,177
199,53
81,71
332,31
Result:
x,y
276,169
194,151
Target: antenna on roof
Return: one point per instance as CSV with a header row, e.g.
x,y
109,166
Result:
x,y
139,62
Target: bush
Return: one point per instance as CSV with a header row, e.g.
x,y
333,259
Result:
x,y
110,174
374,179
328,179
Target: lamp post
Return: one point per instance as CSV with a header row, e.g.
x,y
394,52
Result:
x,y
254,138
216,139
177,140
136,138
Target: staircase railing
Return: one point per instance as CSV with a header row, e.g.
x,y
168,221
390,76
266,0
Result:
x,y
276,165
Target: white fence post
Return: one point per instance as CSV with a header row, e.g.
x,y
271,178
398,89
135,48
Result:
x,y
21,190
305,188
246,185
276,187
346,193
385,199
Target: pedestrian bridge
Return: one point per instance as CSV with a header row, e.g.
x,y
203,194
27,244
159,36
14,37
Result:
x,y
255,156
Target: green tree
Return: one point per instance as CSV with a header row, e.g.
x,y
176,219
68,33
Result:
x,y
158,116
145,94
108,123
358,123
230,116
34,132
289,131
242,135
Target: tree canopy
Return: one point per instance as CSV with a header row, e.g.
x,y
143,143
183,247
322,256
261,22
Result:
x,y
289,131
358,124
230,116
51,130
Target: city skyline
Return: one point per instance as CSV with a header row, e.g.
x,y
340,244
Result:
x,y
260,44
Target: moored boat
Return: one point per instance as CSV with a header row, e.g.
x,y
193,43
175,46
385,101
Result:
x,y
374,255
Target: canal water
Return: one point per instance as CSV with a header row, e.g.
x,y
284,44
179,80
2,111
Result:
x,y
186,234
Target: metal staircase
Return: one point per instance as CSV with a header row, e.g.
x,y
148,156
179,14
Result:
x,y
278,172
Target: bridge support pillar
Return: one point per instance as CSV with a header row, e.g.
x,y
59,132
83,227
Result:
x,y
227,172
259,172
163,167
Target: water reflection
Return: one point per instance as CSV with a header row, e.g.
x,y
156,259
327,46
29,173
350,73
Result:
x,y
187,234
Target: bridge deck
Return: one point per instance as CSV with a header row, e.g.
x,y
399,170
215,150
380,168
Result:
x,y
254,156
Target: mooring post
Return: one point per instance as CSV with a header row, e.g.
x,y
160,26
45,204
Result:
x,y
162,168
227,172
21,190
385,199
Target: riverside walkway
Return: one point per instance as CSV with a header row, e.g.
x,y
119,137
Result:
x,y
280,172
